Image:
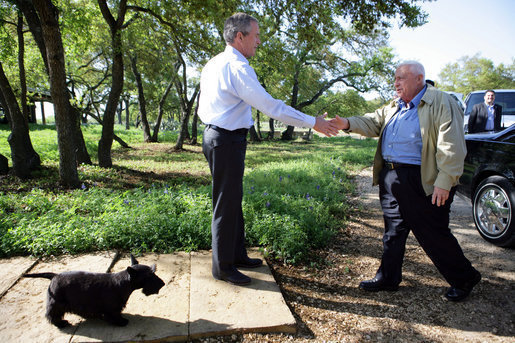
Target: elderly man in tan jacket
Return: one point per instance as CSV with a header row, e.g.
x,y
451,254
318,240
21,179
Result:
x,y
418,162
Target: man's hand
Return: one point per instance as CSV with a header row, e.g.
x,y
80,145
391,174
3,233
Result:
x,y
327,127
440,196
341,123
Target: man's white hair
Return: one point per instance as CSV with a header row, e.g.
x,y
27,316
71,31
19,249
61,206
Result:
x,y
415,67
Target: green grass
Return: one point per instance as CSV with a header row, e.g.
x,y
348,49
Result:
x,y
157,199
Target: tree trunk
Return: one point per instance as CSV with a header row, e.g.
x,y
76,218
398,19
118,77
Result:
x,y
43,119
82,152
119,112
3,106
115,25
258,124
127,113
32,18
35,25
142,102
161,112
115,137
21,67
253,134
32,114
194,122
272,129
64,117
186,108
183,133
4,165
287,135
25,159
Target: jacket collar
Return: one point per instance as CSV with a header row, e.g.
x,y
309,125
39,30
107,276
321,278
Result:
x,y
430,95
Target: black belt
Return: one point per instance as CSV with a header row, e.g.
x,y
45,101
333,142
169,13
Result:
x,y
234,132
394,165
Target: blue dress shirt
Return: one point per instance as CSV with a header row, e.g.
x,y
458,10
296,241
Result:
x,y
489,126
229,88
402,140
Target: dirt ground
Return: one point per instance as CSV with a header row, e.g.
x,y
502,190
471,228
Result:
x,y
329,307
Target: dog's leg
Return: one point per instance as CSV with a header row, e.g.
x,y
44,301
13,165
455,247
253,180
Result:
x,y
116,319
55,313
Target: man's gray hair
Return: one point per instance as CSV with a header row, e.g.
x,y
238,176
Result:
x,y
415,67
238,22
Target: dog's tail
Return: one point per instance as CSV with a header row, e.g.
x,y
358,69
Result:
x,y
49,276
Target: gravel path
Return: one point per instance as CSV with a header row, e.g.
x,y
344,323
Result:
x,y
329,307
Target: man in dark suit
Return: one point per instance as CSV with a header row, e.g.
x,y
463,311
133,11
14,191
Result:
x,y
485,116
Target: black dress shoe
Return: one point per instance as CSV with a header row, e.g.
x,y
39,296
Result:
x,y
249,263
376,285
460,293
233,277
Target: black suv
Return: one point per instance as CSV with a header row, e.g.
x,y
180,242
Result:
x,y
488,180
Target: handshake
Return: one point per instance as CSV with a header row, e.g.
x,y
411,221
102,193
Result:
x,y
330,127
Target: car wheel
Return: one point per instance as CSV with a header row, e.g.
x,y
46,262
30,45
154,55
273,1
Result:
x,y
493,209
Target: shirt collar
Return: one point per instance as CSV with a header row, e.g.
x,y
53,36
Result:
x,y
489,105
239,56
415,101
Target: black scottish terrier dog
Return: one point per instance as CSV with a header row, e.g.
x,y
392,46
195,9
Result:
x,y
102,295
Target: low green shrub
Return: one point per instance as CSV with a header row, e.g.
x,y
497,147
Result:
x,y
154,219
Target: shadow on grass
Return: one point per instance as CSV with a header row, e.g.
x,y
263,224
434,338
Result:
x,y
116,178
159,152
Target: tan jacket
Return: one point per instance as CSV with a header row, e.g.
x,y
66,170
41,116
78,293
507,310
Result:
x,y
443,140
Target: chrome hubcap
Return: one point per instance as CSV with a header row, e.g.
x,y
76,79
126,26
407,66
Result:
x,y
493,211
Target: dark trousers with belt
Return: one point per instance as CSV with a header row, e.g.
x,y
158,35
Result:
x,y
225,153
406,207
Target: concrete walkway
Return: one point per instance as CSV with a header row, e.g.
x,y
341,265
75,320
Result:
x,y
191,304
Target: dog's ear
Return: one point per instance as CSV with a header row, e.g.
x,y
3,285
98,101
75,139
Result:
x,y
131,271
133,260
153,268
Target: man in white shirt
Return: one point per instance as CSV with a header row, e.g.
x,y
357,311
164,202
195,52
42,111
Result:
x,y
229,88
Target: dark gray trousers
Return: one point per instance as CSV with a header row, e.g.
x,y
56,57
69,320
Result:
x,y
407,208
225,153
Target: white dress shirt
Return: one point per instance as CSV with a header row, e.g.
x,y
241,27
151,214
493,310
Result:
x,y
229,88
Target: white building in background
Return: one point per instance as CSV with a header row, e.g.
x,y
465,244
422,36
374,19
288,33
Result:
x,y
48,111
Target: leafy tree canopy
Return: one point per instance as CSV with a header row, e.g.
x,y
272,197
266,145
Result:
x,y
310,46
474,73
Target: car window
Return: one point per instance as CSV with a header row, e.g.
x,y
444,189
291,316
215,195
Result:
x,y
507,101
